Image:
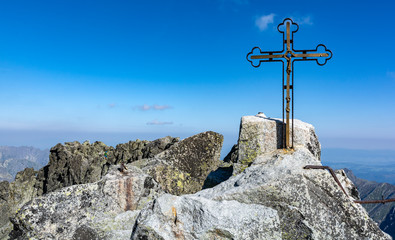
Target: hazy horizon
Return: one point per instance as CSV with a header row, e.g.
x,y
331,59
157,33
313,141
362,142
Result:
x,y
48,139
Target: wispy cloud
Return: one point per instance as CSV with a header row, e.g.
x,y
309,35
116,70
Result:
x,y
156,122
305,20
146,107
111,105
263,22
161,107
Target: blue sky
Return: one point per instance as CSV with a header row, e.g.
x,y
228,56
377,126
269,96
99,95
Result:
x,y
120,70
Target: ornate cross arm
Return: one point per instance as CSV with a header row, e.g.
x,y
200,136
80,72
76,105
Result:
x,y
320,52
257,54
300,55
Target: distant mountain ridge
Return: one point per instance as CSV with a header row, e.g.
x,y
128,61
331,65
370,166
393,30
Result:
x,y
383,214
15,159
373,165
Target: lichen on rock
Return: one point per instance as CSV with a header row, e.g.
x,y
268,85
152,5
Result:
x,y
184,168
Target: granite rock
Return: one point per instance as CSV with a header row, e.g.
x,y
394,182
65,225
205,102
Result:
x,y
184,168
76,163
196,155
71,164
192,217
260,134
296,203
14,195
105,209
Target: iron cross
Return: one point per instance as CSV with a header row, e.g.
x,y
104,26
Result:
x,y
289,55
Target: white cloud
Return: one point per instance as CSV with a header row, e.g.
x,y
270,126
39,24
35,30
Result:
x,y
161,107
156,122
146,107
263,22
306,20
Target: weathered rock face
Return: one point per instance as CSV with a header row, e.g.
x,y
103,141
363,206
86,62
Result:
x,y
193,217
347,184
75,163
183,168
103,210
197,155
232,155
13,195
259,134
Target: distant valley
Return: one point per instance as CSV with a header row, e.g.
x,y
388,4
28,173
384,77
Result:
x,y
15,159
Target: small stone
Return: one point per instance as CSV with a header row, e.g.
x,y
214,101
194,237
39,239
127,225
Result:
x,y
261,114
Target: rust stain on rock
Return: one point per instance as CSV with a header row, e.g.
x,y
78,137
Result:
x,y
174,211
126,196
178,232
129,195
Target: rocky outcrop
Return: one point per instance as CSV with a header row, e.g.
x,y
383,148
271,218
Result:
x,y
76,163
183,168
267,183
270,196
260,134
106,209
70,164
14,195
73,208
296,203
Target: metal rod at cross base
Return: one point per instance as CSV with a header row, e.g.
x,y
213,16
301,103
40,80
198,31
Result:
x,y
289,55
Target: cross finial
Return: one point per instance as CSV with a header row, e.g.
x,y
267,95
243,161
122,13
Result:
x,y
289,55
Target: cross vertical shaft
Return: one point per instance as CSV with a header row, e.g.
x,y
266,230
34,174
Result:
x,y
288,98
